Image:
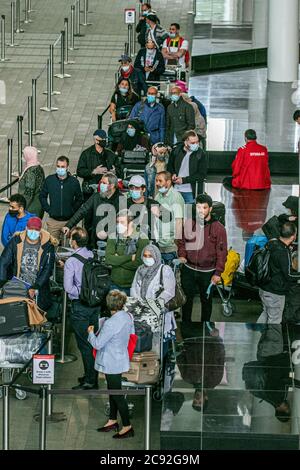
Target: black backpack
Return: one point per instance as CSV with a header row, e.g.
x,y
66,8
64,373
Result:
x,y
258,270
95,283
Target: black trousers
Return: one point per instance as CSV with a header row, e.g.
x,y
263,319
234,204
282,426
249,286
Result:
x,y
194,282
227,182
81,317
117,402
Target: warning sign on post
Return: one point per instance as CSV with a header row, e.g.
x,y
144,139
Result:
x,y
129,16
43,369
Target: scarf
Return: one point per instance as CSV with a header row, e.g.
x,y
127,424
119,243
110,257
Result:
x,y
31,158
145,274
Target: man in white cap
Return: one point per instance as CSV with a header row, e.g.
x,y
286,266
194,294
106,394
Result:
x,y
143,208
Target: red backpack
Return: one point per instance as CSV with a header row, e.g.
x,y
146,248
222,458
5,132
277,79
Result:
x,y
187,54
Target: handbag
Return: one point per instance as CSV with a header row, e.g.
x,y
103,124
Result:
x,y
132,344
179,299
144,336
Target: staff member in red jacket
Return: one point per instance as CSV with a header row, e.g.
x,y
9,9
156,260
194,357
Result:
x,y
204,256
250,169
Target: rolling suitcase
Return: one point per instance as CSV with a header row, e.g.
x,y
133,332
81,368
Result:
x,y
13,318
144,368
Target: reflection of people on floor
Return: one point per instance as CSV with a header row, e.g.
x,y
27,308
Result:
x,y
249,209
250,168
291,313
272,227
201,363
268,377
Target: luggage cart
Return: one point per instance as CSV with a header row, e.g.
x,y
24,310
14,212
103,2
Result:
x,y
225,293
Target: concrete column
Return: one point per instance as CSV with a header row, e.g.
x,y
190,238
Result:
x,y
283,51
260,23
248,11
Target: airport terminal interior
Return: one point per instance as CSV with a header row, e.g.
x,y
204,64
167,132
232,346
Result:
x,y
211,362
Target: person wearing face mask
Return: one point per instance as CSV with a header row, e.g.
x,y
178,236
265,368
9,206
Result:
x,y
60,197
202,248
159,161
101,209
134,75
187,163
134,136
81,315
180,117
95,161
152,114
123,251
123,100
16,218
153,280
31,181
170,228
154,31
175,48
150,60
30,256
141,27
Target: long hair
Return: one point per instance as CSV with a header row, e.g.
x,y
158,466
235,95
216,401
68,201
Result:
x,y
131,93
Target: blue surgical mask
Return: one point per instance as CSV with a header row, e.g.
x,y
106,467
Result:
x,y
175,98
163,190
151,99
123,90
194,147
172,35
103,187
135,194
33,235
61,172
131,131
145,12
148,26
148,261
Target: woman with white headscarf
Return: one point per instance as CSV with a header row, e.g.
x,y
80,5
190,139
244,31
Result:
x,y
31,181
155,280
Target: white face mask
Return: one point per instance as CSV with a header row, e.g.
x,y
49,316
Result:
x,y
121,229
125,68
148,261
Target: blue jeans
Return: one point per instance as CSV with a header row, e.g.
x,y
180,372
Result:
x,y
188,198
122,289
168,258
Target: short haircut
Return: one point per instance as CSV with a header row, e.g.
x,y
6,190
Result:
x,y
115,300
126,213
177,26
288,229
62,158
190,133
204,199
112,178
296,114
80,236
166,174
19,199
250,134
148,5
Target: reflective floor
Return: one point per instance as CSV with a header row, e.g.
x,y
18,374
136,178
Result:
x,y
233,386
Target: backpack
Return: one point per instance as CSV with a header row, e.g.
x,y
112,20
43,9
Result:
x,y
254,243
187,54
258,270
218,212
95,283
231,266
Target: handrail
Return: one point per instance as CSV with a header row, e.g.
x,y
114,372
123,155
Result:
x,y
100,117
9,185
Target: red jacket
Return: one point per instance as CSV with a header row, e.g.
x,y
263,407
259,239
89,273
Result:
x,y
251,167
205,250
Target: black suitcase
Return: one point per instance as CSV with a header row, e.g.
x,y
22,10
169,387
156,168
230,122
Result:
x,y
13,318
140,157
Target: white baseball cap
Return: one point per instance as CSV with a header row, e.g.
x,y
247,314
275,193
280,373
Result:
x,y
137,180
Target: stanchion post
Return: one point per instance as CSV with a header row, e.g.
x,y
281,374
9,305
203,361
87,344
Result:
x,y
100,119
9,166
49,107
34,129
72,47
29,115
77,16
85,12
18,17
66,25
30,7
53,92
3,58
49,387
147,417
20,143
5,431
12,26
43,420
27,19
64,358
62,73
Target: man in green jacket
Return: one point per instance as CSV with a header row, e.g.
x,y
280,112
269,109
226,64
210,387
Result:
x,y
180,117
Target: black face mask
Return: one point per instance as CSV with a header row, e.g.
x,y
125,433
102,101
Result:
x,y
102,143
13,212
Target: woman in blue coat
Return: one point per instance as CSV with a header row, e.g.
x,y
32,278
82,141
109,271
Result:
x,y
112,359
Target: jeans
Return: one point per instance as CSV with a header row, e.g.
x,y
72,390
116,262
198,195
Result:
x,y
117,402
192,283
167,258
81,317
273,307
122,289
188,198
